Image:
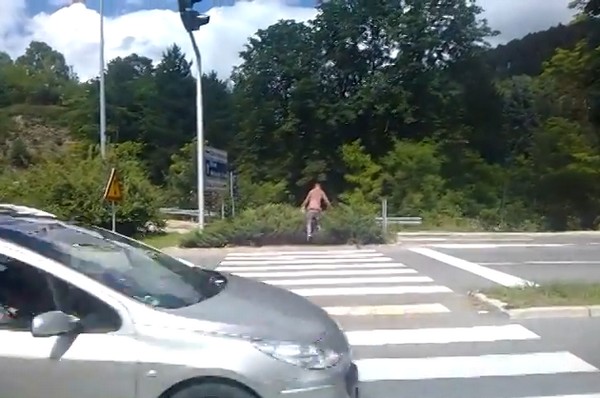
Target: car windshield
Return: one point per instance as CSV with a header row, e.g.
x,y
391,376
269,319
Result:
x,y
122,264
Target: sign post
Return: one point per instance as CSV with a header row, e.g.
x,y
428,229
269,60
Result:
x,y
113,193
231,192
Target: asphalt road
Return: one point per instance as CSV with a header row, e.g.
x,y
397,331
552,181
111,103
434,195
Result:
x,y
414,331
557,258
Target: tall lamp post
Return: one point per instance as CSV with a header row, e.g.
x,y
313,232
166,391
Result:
x,y
102,89
192,21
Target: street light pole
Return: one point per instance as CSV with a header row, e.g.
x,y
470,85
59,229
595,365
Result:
x,y
102,89
199,132
192,21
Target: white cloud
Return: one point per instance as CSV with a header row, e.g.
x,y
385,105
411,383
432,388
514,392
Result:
x,y
12,13
516,18
74,30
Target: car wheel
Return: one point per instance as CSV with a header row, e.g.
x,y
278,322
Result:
x,y
213,390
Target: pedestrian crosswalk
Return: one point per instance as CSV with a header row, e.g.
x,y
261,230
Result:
x,y
380,303
343,275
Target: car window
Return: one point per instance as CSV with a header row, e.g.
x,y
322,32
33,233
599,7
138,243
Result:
x,y
119,263
26,292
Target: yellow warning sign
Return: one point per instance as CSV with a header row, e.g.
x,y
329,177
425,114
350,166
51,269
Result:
x,y
113,191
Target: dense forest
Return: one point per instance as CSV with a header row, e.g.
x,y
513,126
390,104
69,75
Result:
x,y
374,101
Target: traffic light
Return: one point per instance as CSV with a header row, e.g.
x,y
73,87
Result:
x,y
187,4
192,19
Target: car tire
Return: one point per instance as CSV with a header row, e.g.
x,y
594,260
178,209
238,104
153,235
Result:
x,y
213,390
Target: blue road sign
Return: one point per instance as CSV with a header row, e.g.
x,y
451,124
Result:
x,y
216,169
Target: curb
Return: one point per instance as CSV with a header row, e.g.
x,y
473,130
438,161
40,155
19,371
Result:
x,y
583,311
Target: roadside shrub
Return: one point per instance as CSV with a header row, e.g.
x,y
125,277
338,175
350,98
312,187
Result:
x,y
72,185
278,224
351,224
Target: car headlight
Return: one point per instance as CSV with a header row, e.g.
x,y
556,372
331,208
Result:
x,y
305,356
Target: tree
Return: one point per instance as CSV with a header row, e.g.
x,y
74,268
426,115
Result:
x,y
277,72
72,183
413,182
568,166
40,58
373,98
587,7
364,176
219,126
169,121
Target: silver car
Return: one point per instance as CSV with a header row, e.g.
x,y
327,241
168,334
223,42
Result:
x,y
89,313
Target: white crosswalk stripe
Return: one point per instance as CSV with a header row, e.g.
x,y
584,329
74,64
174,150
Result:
x,y
358,287
454,367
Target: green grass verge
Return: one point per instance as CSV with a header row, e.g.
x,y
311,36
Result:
x,y
555,294
163,240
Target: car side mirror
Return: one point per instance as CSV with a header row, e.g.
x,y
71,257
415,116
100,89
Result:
x,y
54,323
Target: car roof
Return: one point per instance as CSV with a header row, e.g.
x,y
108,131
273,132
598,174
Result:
x,y
7,209
23,218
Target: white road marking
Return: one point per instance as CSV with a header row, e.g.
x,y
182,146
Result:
x,y
569,396
493,275
369,291
562,262
306,267
306,261
470,239
369,310
471,366
348,281
301,253
358,256
333,272
403,239
542,263
495,245
440,335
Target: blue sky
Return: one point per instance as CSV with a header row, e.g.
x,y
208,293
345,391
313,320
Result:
x,y
112,7
148,27
120,7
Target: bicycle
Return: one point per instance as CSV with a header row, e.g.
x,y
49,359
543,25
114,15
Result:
x,y
312,224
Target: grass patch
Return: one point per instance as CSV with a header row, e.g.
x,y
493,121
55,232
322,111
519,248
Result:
x,y
555,294
163,240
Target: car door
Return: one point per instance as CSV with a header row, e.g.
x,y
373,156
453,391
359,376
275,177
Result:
x,y
100,362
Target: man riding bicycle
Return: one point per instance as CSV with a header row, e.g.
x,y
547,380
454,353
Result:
x,y
312,205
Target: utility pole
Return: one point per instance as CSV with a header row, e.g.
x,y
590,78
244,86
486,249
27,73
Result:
x,y
192,21
102,89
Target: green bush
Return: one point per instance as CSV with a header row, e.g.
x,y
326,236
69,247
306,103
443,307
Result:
x,y
71,185
278,224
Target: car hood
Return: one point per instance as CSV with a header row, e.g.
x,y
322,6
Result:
x,y
250,308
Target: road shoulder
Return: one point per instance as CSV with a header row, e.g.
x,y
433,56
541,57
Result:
x,y
552,301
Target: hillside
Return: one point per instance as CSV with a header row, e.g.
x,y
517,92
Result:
x,y
526,55
29,133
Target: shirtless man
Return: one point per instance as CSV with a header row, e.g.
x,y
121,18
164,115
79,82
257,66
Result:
x,y
312,204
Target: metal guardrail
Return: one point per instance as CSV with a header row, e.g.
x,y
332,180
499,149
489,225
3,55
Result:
x,y
387,220
185,212
401,220
179,212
